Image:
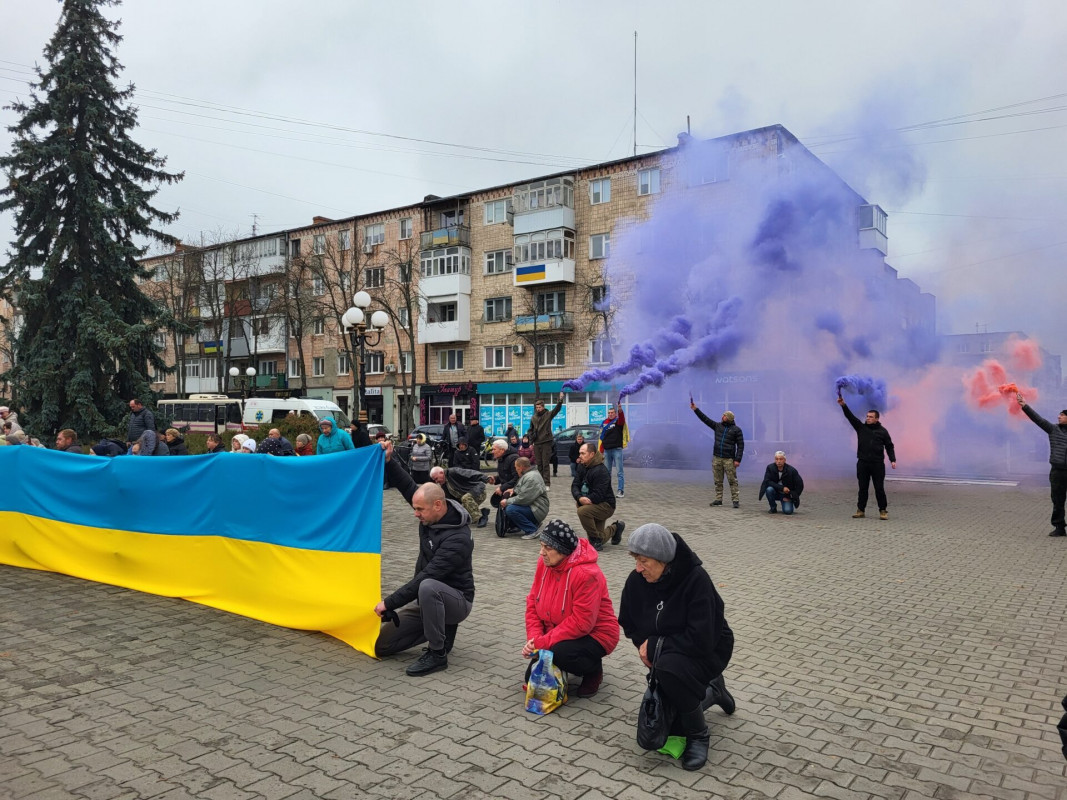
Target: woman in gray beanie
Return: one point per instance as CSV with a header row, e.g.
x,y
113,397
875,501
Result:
x,y
674,616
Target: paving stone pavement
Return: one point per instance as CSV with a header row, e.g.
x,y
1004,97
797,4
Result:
x,y
920,657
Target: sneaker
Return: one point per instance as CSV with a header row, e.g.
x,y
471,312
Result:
x,y
715,503
620,526
883,514
1058,532
597,544
737,504
534,534
591,683
858,515
620,493
429,661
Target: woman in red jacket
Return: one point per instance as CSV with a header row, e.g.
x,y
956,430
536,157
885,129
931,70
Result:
x,y
568,609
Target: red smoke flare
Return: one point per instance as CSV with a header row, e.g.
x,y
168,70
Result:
x,y
1025,356
989,388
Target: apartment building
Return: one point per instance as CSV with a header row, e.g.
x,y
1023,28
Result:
x,y
494,295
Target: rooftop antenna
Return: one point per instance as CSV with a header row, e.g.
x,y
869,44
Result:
x,y
635,93
255,223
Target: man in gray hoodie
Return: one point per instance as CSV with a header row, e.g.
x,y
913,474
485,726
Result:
x,y
528,506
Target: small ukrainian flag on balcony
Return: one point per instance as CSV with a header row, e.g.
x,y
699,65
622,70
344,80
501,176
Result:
x,y
212,347
534,272
307,555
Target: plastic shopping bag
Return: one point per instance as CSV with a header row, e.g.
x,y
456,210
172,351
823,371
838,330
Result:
x,y
546,690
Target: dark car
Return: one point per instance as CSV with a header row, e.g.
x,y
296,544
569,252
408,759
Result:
x,y
671,445
434,433
565,438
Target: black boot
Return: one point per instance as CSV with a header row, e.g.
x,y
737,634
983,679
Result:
x,y
697,738
718,695
484,518
450,637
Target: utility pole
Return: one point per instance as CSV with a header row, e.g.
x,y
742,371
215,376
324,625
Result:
x,y
635,93
255,223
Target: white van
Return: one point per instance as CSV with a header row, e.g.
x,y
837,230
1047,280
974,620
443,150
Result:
x,y
268,410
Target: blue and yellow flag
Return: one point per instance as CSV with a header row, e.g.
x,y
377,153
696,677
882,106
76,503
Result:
x,y
290,541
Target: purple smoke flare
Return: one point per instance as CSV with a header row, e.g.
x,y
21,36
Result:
x,y
864,385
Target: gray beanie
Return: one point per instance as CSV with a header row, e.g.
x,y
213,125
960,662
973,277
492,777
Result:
x,y
654,541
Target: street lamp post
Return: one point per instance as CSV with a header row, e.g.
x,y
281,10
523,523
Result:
x,y
355,322
246,382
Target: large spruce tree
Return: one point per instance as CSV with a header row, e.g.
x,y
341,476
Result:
x,y
81,190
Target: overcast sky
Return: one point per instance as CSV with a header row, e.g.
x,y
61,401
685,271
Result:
x,y
977,204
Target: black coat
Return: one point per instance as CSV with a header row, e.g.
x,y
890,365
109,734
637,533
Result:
x,y
177,447
683,609
445,548
729,441
872,441
790,478
572,453
594,482
360,438
506,474
1057,437
467,459
475,436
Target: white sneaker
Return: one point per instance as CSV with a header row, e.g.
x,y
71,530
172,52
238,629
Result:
x,y
620,493
533,534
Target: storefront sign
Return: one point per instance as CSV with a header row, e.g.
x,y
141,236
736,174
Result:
x,y
454,389
373,391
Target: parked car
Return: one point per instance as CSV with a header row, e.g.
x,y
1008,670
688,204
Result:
x,y
565,438
373,429
671,445
434,433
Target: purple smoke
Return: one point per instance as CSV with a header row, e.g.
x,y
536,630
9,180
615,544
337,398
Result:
x,y
873,389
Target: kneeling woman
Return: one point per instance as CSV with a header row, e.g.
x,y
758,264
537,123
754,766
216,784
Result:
x,y
568,609
674,616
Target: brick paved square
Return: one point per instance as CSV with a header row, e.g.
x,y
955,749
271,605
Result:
x,y
919,657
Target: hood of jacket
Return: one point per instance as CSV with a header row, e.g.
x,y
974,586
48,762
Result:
x,y
597,459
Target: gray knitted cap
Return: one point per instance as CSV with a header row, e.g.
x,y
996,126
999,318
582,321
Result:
x,y
654,541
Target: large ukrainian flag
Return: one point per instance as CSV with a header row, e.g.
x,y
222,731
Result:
x,y
291,541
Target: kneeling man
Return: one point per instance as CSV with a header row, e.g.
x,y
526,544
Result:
x,y
781,482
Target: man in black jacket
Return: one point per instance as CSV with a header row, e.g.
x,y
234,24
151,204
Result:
x,y
1057,458
444,577
872,444
782,482
506,476
727,454
591,489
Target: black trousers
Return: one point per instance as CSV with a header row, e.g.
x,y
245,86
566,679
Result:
x,y
867,471
1057,478
577,656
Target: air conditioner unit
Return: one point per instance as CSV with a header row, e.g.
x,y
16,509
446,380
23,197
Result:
x,y
368,249
518,349
614,340
390,368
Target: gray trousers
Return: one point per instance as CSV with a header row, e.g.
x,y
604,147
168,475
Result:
x,y
438,605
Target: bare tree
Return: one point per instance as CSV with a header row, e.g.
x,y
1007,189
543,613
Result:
x,y
299,308
401,297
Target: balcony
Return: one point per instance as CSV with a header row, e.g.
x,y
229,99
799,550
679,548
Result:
x,y
440,286
545,324
543,219
554,271
434,329
267,382
452,236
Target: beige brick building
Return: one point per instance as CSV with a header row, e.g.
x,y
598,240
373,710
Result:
x,y
486,291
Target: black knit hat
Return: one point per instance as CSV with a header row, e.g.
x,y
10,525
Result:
x,y
558,535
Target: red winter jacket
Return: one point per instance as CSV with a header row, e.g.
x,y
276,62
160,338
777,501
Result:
x,y
569,601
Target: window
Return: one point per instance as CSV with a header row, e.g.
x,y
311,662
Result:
x,y
403,317
268,367
445,261
407,361
873,217
452,218
497,309
158,376
449,360
294,248
648,181
554,244
344,364
405,228
346,282
296,369
319,326
496,211
551,302
261,326
160,339
598,298
179,339
318,244
987,347
714,165
318,366
600,191
374,277
191,369
344,240
441,312
374,363
498,357
318,286
963,347
545,194
374,234
497,261
600,245
600,351
208,368
550,355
